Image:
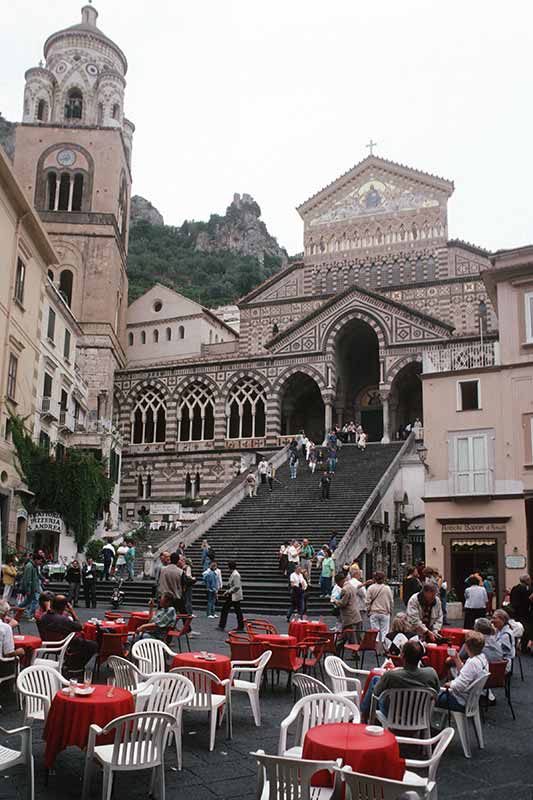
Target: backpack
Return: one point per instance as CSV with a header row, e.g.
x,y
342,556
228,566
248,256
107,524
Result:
x,y
211,554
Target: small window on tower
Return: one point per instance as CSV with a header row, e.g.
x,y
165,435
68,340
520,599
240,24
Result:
x,y
74,105
156,336
116,111
42,111
77,194
130,339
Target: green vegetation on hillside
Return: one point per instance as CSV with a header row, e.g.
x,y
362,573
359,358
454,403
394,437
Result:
x,y
164,254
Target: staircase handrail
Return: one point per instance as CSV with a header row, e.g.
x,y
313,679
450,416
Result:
x,y
349,539
219,506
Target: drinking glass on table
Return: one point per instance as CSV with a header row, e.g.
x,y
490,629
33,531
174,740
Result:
x,y
87,678
110,687
72,686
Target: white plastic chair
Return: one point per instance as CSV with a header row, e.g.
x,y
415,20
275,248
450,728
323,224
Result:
x,y
167,692
307,684
369,787
253,669
282,778
437,746
471,712
139,743
52,654
127,675
10,758
317,709
37,686
405,710
343,678
151,655
205,699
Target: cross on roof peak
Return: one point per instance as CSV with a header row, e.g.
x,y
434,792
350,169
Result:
x,y
371,146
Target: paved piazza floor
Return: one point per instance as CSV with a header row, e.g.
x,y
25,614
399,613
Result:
x,y
503,770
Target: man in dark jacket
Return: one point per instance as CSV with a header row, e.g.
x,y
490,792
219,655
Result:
x,y
58,623
411,584
88,575
521,607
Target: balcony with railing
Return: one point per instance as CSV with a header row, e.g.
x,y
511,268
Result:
x,y
66,420
461,356
48,408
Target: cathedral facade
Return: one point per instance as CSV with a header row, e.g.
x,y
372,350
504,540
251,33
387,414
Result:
x,y
340,335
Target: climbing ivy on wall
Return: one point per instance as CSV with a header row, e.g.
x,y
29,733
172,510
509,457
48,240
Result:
x,y
75,487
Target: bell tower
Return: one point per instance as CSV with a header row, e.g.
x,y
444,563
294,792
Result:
x,y
73,158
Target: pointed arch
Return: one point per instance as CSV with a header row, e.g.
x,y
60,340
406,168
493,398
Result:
x,y
149,418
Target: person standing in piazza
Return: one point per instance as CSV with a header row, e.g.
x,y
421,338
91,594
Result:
x,y
233,598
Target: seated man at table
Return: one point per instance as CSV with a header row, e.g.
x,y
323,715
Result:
x,y
424,612
409,676
7,644
58,623
159,623
454,694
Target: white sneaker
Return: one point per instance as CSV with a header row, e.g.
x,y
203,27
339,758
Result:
x,y
210,616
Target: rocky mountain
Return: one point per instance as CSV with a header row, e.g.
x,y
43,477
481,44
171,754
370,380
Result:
x,y
142,209
7,136
240,230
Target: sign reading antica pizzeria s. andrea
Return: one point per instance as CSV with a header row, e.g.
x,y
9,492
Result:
x,y
46,521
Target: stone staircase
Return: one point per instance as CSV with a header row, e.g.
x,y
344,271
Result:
x,y
253,531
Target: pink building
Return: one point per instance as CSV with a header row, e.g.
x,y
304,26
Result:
x,y
479,436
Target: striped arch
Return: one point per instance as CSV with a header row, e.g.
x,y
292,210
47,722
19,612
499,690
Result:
x,y
244,374
396,368
308,370
202,380
330,336
142,386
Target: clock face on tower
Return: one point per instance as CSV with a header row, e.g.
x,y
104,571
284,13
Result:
x,y
66,158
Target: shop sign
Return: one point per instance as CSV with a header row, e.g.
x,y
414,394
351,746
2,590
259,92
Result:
x,y
472,527
165,508
515,562
43,521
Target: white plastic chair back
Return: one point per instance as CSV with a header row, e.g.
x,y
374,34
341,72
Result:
x,y
472,703
368,787
316,709
407,709
139,739
241,668
288,778
53,652
10,757
336,672
38,685
165,690
151,655
307,685
203,682
126,674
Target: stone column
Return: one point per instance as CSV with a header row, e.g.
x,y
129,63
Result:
x,y
328,416
386,423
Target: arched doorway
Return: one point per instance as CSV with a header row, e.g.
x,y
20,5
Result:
x,y
406,397
358,374
302,407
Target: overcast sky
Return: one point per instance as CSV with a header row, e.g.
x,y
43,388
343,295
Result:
x,y
278,98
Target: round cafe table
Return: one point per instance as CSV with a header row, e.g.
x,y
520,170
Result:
x,y
70,718
221,666
372,755
90,628
29,643
137,618
455,635
301,629
436,655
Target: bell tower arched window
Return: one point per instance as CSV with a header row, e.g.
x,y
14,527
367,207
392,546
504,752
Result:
x,y
149,418
64,191
74,105
196,414
66,280
42,111
246,410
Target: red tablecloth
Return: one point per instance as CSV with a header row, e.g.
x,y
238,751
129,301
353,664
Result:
x,y
89,628
455,635
221,666
137,618
302,629
436,656
372,755
284,653
70,718
30,644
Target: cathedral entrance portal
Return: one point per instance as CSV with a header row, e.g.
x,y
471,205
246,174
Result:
x,y
302,407
406,397
357,396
